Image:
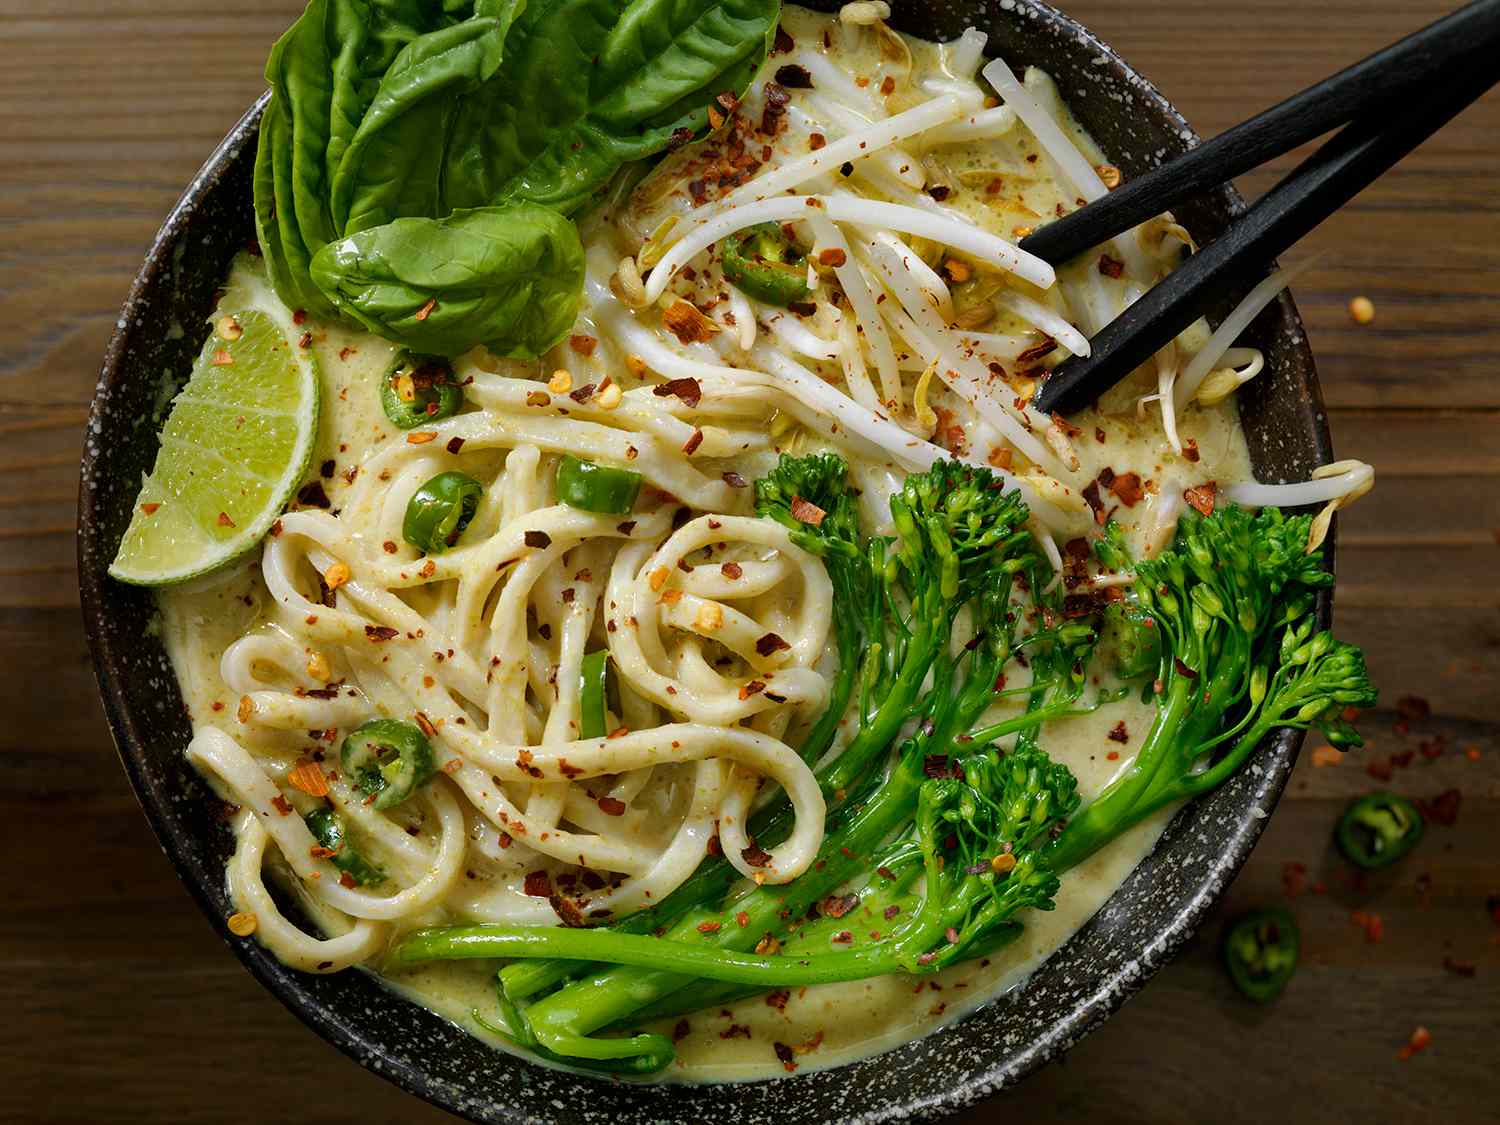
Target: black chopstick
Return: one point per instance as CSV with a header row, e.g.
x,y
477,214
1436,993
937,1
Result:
x,y
1467,39
1323,183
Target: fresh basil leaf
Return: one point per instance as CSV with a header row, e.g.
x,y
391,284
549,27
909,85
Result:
x,y
588,85
396,155
323,71
508,277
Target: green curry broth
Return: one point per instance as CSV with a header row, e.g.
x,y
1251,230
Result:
x,y
828,1024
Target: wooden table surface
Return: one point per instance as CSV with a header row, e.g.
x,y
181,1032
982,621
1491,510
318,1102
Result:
x,y
118,1003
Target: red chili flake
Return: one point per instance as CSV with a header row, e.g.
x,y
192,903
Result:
x,y
281,805
1127,488
1372,924
940,765
150,509
688,390
538,884
1190,450
891,911
836,906
777,999
611,806
1036,352
695,439
1091,497
1442,809
1413,708
538,539
1202,497
734,480
885,872
224,520
625,528
804,511
346,881
1432,748
305,340
783,44
732,571
1112,756
1403,759
1183,669
1118,733
311,495
584,393
680,1032
755,855
769,643
754,687
1110,267
1420,1040
426,310
710,927
381,632
567,910
938,192
887,85
680,137
794,77
786,1056
1293,879
455,444
816,141
1379,768
583,345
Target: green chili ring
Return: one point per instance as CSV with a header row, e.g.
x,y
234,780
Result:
x,y
1260,952
387,759
762,262
596,488
591,700
435,393
440,510
1378,829
327,828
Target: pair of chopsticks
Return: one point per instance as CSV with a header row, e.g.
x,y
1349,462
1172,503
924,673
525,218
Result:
x,y
1388,104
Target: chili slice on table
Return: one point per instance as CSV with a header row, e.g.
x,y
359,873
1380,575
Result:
x,y
1260,952
1378,829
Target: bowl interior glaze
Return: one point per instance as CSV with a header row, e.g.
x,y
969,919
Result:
x,y
160,330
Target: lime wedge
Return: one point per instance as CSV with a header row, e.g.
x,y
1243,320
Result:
x,y
235,446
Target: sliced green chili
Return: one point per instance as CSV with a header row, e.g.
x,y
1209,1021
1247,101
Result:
x,y
327,828
763,263
387,759
596,488
591,722
440,510
417,390
1260,951
1378,829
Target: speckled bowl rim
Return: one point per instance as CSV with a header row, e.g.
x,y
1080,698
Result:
x,y
1257,790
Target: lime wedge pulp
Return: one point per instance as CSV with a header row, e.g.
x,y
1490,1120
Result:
x,y
235,445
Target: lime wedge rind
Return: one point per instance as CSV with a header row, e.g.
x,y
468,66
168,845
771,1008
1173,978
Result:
x,y
233,454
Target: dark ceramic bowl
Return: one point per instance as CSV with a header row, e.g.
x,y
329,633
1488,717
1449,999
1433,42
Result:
x,y
1138,929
